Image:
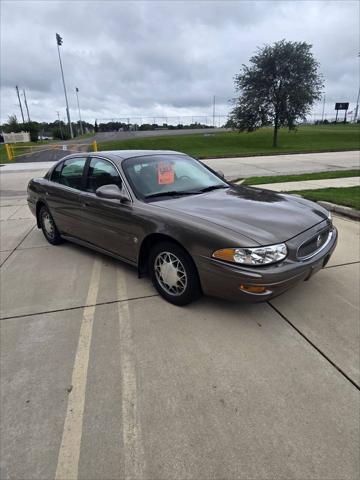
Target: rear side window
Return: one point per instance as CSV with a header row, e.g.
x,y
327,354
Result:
x,y
101,173
70,173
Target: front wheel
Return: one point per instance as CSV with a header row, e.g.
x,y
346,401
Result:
x,y
174,274
48,226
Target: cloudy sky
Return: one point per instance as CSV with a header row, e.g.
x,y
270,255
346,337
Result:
x,y
162,58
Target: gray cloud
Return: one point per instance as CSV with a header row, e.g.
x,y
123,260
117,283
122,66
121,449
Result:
x,y
161,57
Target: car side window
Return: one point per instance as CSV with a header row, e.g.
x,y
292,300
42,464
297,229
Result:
x,y
101,173
70,173
55,176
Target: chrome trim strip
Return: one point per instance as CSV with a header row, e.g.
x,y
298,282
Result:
x,y
328,240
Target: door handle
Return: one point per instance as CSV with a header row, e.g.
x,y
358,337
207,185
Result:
x,y
85,204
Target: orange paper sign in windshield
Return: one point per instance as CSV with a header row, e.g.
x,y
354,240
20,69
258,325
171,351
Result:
x,y
166,174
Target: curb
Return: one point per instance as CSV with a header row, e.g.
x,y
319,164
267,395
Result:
x,y
342,210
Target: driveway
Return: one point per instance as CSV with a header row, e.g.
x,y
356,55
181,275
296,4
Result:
x,y
101,379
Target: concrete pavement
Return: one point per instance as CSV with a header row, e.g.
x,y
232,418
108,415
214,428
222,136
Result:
x,y
312,184
102,379
244,167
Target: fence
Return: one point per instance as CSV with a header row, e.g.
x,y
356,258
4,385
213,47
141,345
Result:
x,y
39,151
16,137
214,120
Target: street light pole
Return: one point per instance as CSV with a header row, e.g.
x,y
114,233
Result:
x,y
59,42
214,111
26,105
22,113
357,106
61,133
357,102
78,104
323,110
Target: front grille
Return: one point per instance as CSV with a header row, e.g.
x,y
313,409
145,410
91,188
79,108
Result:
x,y
310,247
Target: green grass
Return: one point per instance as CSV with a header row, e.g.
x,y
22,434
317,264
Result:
x,y
319,138
301,177
3,157
348,196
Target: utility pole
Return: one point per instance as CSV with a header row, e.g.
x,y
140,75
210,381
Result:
x,y
77,97
357,102
61,133
214,111
323,110
59,42
26,105
357,106
22,113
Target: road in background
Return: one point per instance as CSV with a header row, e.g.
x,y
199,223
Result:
x,y
233,168
101,378
47,155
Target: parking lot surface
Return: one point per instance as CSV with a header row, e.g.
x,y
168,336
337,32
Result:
x,y
102,379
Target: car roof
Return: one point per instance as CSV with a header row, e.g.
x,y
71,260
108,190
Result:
x,y
125,154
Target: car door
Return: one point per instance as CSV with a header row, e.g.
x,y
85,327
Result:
x,y
63,195
108,223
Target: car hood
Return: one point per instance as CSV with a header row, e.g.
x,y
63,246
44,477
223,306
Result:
x,y
262,215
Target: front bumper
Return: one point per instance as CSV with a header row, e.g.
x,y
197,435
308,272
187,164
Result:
x,y
223,280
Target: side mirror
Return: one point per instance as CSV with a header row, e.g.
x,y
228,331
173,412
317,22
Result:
x,y
111,192
221,174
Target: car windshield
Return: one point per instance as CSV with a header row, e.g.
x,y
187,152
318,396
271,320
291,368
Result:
x,y
160,176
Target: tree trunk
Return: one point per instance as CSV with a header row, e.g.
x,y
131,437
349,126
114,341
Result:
x,y
275,136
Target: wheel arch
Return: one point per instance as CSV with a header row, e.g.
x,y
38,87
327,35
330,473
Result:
x,y
148,243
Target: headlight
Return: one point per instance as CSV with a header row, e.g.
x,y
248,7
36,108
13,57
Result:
x,y
253,255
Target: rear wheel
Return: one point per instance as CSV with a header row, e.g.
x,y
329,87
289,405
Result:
x,y
48,226
174,274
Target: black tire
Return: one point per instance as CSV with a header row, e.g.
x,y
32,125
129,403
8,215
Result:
x,y
51,233
184,289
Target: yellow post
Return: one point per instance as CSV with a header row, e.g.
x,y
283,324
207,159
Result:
x,y
94,145
12,152
8,152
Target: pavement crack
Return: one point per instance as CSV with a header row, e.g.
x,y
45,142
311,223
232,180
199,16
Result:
x,y
110,302
342,264
18,245
340,370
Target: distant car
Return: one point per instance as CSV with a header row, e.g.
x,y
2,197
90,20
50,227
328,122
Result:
x,y
174,218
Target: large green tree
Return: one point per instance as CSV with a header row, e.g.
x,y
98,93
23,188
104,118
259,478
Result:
x,y
278,88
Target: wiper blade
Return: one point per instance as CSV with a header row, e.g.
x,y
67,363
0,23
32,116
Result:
x,y
212,187
171,193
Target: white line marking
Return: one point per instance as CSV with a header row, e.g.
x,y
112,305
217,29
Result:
x,y
133,448
69,453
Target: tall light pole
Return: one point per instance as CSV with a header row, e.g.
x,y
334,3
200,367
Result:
x,y
323,110
61,133
357,106
59,43
78,104
214,111
22,113
26,105
357,102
